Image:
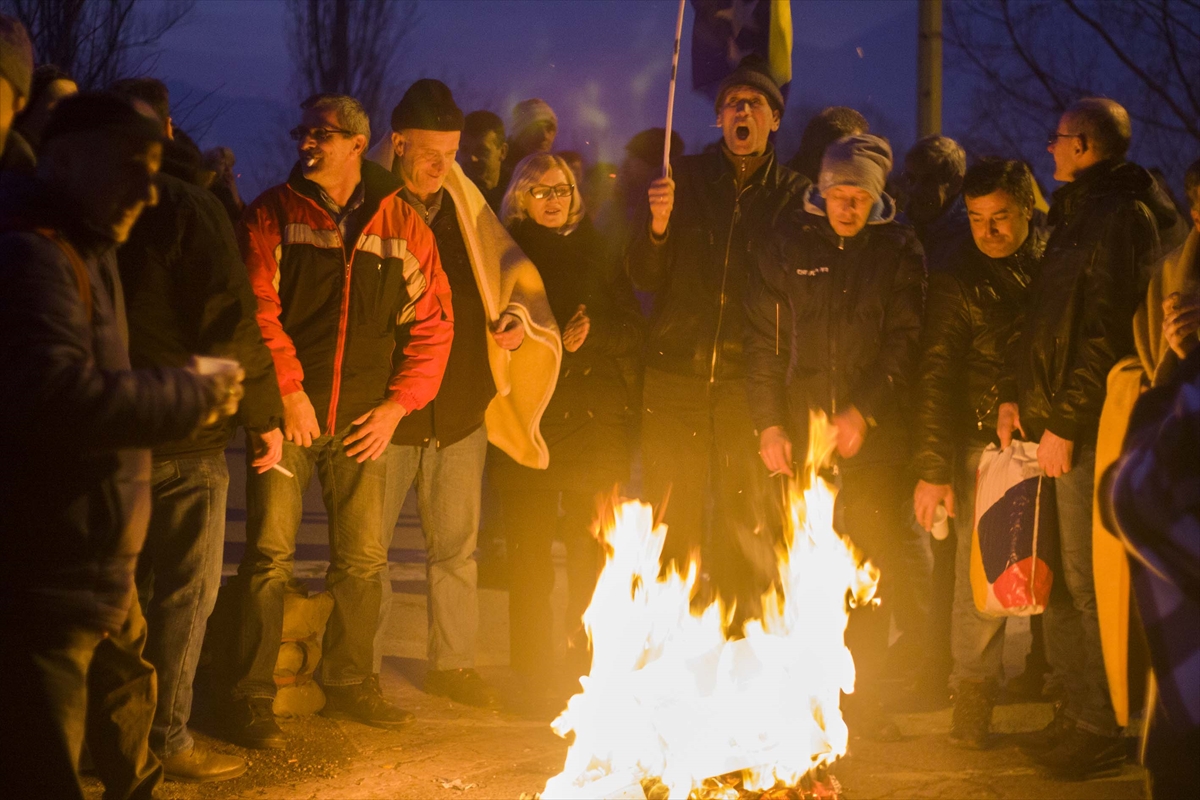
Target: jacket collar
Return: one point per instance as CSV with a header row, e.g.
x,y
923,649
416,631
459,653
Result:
x,y
719,167
378,186
883,212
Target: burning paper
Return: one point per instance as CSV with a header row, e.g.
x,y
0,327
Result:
x,y
670,701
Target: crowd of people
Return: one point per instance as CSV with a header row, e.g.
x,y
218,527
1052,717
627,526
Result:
x,y
459,300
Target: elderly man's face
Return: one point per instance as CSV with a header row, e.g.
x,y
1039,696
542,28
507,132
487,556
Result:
x,y
108,177
999,224
423,158
536,138
848,209
1066,145
481,157
746,119
327,154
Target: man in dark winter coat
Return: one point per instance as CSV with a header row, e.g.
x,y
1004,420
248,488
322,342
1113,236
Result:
x,y
337,261
932,201
1106,222
698,437
75,486
847,286
825,128
970,315
186,291
482,154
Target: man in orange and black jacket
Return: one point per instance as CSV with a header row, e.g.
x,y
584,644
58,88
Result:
x,y
337,261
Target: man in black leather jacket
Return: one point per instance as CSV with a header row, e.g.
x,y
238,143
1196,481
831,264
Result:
x,y
847,286
1078,323
970,316
698,438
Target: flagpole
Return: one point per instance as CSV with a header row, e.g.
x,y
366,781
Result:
x,y
671,93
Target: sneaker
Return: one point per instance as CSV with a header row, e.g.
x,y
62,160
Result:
x,y
464,686
251,723
201,765
1049,737
1081,755
364,703
972,725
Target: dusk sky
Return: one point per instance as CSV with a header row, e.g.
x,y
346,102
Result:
x,y
602,64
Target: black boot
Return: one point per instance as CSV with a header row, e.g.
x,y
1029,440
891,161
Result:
x,y
464,686
250,722
1049,737
972,725
364,703
1081,755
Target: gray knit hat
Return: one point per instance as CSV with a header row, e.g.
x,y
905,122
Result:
x,y
16,54
862,161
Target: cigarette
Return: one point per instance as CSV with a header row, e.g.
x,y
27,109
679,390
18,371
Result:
x,y
310,162
284,470
777,473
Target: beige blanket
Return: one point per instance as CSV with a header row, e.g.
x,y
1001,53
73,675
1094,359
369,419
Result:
x,y
508,283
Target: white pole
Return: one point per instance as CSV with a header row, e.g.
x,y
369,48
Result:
x,y
671,93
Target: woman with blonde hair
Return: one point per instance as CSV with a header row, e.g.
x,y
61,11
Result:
x,y
584,424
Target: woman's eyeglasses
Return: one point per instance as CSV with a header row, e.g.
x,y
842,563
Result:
x,y
300,133
544,192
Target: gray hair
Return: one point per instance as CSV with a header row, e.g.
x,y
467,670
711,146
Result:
x,y
350,113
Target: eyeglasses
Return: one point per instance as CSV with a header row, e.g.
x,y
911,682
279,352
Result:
x,y
544,192
754,102
1054,137
301,132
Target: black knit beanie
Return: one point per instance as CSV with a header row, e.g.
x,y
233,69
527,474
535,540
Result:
x,y
755,72
93,112
428,105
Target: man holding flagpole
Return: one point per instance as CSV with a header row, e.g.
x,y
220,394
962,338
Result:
x,y
693,253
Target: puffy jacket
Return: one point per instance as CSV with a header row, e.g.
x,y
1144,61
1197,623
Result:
x,y
970,315
186,292
330,319
1078,319
854,308
699,274
76,422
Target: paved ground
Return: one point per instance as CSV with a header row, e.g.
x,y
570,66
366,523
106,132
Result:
x,y
453,752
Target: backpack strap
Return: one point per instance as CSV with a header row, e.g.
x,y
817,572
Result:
x,y
82,282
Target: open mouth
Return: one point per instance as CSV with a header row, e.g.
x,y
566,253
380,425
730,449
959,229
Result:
x,y
742,132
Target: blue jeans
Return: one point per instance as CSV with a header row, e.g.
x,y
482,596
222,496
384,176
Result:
x,y
976,639
449,487
353,495
179,572
1073,624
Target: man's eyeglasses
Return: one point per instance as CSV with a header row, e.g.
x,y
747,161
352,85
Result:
x,y
1055,136
300,133
544,192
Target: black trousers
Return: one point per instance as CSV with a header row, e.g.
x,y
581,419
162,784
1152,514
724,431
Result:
x,y
700,442
65,684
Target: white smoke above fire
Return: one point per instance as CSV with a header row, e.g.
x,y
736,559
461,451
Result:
x,y
671,699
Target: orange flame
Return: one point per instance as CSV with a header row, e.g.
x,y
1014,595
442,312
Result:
x,y
669,697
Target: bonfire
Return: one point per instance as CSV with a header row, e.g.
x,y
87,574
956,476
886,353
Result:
x,y
675,707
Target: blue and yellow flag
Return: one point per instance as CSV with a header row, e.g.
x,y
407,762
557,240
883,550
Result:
x,y
726,31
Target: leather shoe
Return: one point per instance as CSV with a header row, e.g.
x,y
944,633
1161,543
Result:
x,y
464,686
1049,737
201,765
364,703
1081,755
251,723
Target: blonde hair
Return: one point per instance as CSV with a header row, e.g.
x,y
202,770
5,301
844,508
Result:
x,y
528,173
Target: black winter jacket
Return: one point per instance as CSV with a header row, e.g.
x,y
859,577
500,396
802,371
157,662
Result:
x,y
585,422
76,422
970,316
187,292
854,311
1078,317
700,273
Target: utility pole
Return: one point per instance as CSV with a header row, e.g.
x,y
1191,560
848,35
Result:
x,y
929,67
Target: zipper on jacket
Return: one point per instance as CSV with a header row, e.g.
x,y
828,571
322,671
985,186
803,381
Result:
x,y
343,323
737,210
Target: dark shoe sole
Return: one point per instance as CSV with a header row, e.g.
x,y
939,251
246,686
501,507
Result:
x,y
254,744
1105,770
382,725
491,704
224,776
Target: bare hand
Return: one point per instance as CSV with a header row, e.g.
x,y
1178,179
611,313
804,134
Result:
x,y
662,201
300,419
509,331
1054,455
267,448
1181,320
226,390
927,497
851,431
374,432
775,449
577,329
1008,420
